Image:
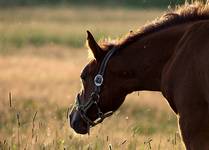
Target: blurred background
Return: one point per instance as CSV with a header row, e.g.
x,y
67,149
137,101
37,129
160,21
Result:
x,y
101,3
42,51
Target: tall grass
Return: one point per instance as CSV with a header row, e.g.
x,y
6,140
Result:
x,y
20,27
41,56
33,124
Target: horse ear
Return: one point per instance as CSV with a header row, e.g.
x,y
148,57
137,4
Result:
x,y
96,50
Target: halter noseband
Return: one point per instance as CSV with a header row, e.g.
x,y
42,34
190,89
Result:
x,y
95,95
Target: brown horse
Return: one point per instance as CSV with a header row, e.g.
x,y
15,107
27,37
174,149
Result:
x,y
170,55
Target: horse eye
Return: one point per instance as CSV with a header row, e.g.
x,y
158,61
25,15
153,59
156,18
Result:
x,y
127,74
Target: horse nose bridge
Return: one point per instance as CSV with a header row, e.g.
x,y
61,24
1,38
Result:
x,y
72,114
73,110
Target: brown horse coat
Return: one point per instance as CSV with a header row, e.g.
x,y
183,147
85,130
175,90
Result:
x,y
186,85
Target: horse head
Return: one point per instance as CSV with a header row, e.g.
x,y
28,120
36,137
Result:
x,y
105,84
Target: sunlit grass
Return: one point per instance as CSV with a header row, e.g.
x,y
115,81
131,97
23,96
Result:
x,y
48,84
41,55
66,26
44,125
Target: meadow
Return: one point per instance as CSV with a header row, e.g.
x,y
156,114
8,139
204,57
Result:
x,y
42,51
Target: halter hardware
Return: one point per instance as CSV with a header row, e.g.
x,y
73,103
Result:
x,y
98,80
82,109
95,96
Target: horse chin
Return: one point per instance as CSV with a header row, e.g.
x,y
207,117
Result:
x,y
82,130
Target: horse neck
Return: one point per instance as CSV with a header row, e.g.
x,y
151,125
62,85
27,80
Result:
x,y
151,53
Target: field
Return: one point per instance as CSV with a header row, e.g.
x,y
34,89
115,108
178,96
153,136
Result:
x,y
42,51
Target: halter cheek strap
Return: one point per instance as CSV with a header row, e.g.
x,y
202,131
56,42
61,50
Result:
x,y
95,96
98,79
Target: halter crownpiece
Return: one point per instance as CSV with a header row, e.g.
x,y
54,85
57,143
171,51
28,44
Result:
x,y
95,95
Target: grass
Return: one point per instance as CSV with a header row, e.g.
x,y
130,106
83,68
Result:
x,y
20,27
33,124
41,68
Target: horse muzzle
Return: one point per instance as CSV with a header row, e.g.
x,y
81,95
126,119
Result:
x,y
77,123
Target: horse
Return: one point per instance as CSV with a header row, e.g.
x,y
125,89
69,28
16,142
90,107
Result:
x,y
170,55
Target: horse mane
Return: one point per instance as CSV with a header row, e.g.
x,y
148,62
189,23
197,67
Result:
x,y
181,14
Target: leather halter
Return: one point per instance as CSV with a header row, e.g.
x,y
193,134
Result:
x,y
95,95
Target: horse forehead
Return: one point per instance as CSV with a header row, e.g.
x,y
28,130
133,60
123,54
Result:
x,y
84,71
91,66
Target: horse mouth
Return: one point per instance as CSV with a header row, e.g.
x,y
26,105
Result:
x,y
79,128
82,130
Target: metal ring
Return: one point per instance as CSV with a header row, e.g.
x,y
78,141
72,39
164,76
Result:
x,y
98,80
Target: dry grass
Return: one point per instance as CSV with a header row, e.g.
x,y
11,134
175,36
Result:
x,y
44,79
47,85
66,26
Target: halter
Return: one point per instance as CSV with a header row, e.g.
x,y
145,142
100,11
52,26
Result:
x,y
95,95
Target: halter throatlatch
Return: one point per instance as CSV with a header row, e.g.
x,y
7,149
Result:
x,y
95,95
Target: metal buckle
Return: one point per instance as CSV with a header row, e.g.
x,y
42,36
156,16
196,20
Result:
x,y
98,80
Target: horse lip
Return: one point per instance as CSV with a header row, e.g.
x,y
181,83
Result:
x,y
81,130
